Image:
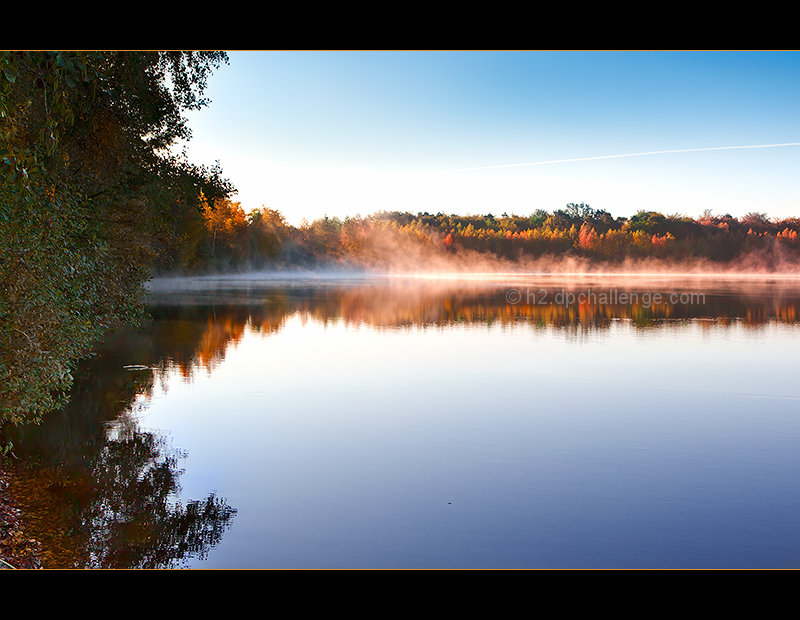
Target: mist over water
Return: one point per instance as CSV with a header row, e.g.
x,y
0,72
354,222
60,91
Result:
x,y
369,296
633,274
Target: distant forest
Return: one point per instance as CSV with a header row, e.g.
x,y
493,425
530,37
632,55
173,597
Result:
x,y
221,236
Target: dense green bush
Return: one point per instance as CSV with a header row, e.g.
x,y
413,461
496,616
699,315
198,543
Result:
x,y
90,199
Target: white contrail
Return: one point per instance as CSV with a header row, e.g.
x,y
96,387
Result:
x,y
596,157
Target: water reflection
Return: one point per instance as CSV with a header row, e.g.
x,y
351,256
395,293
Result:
x,y
96,489
571,307
103,492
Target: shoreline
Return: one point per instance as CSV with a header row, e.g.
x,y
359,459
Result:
x,y
17,549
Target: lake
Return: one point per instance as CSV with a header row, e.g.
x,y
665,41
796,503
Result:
x,y
505,421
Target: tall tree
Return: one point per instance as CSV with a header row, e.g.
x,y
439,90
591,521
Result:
x,y
92,194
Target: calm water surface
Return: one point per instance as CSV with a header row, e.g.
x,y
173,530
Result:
x,y
401,423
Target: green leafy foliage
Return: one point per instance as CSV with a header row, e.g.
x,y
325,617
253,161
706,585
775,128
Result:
x,y
91,197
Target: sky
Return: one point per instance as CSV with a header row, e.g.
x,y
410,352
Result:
x,y
346,133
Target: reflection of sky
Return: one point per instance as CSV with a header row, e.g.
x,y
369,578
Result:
x,y
348,132
341,445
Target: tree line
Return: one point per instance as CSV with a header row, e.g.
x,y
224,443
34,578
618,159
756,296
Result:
x,y
225,237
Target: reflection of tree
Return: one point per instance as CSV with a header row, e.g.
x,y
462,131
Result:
x,y
422,304
118,509
104,498
130,519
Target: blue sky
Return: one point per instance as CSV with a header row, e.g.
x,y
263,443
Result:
x,y
340,133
